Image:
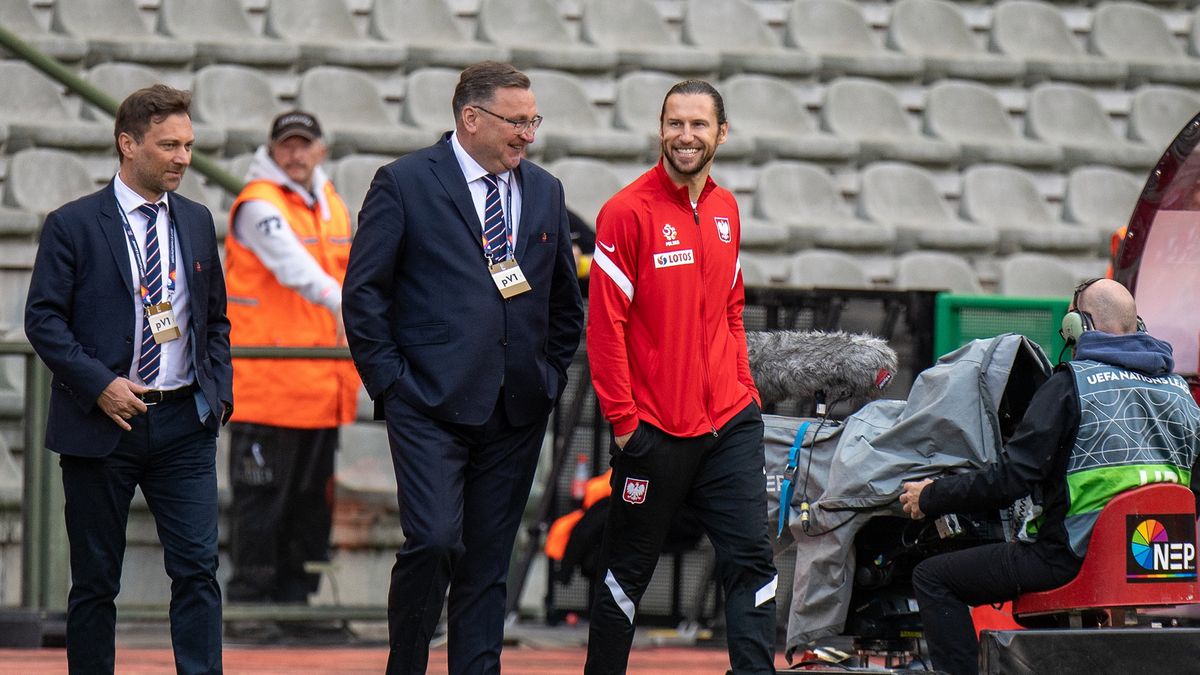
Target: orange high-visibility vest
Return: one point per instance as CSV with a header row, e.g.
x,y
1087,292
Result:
x,y
296,393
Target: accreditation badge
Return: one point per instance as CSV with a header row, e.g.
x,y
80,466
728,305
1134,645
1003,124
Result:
x,y
509,278
162,322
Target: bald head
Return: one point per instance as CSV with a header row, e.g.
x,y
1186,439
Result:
x,y
1110,305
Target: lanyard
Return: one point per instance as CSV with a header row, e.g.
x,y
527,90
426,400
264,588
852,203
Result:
x,y
137,254
508,234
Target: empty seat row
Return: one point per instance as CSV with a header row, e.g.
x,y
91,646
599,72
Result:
x,y
900,207
860,121
1022,274
927,39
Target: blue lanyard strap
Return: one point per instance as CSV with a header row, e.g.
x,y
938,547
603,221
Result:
x,y
137,254
789,482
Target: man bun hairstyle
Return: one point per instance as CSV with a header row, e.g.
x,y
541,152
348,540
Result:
x,y
146,106
478,83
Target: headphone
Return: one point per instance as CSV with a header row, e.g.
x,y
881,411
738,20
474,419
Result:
x,y
1077,322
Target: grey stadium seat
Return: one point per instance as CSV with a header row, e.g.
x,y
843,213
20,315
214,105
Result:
x,y
17,223
740,34
18,17
353,117
1102,198
635,31
934,270
1037,33
770,110
222,34
804,198
588,184
906,197
972,115
428,29
870,112
327,35
1071,117
1007,199
837,32
638,105
41,180
936,31
114,31
826,269
536,36
1158,113
427,99
1139,37
1034,275
119,80
352,177
193,187
238,100
571,125
35,112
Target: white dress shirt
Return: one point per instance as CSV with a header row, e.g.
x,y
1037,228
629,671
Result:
x,y
510,190
175,363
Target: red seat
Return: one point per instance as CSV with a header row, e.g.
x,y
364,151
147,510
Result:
x,y
1142,554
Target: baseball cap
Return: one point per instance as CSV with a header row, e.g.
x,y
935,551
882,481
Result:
x,y
295,123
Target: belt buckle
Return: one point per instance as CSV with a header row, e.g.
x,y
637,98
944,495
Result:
x,y
152,397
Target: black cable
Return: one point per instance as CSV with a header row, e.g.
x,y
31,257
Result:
x,y
823,415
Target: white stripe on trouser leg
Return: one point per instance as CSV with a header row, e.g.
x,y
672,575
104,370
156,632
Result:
x,y
623,600
766,592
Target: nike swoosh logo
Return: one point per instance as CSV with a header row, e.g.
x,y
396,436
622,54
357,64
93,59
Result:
x,y
607,247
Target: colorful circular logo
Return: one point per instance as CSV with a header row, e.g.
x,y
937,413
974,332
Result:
x,y
1148,532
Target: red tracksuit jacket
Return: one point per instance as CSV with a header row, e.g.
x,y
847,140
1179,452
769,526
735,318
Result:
x,y
665,339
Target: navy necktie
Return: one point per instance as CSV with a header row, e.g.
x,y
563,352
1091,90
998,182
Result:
x,y
152,291
495,230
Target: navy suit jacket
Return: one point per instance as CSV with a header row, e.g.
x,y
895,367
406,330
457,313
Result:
x,y
424,318
79,315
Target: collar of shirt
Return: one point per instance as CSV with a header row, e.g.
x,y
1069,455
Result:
x,y
471,169
129,200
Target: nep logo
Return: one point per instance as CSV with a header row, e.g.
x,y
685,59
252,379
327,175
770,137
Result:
x,y
1162,548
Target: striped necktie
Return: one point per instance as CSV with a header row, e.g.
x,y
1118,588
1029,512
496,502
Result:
x,y
495,230
152,291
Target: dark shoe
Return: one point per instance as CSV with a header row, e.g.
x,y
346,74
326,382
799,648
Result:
x,y
318,633
254,632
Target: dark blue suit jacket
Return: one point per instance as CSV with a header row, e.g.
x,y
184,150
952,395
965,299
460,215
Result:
x,y
79,315
423,316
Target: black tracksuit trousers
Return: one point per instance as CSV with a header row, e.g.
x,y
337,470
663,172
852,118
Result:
x,y
721,477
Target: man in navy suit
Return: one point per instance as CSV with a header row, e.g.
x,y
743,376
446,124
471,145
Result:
x,y
462,311
127,308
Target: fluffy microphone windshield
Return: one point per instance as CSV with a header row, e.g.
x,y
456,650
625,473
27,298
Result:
x,y
794,364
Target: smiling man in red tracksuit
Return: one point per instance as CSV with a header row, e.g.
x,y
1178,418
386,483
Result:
x,y
667,351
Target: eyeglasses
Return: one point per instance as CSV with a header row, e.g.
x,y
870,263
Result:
x,y
519,126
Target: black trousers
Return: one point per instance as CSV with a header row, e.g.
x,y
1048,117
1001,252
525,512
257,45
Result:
x,y
172,457
461,491
721,477
281,513
948,585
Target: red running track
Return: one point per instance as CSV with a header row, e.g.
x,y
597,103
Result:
x,y
290,661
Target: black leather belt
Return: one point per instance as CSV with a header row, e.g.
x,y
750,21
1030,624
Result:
x,y
155,396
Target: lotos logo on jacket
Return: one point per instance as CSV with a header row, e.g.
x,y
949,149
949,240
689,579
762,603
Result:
x,y
635,490
723,230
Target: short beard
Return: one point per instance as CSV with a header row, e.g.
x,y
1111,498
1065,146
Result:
x,y
694,172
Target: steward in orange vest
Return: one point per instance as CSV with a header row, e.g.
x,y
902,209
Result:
x,y
263,311
285,262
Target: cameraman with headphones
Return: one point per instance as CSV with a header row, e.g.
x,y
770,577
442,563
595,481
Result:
x,y
1091,431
